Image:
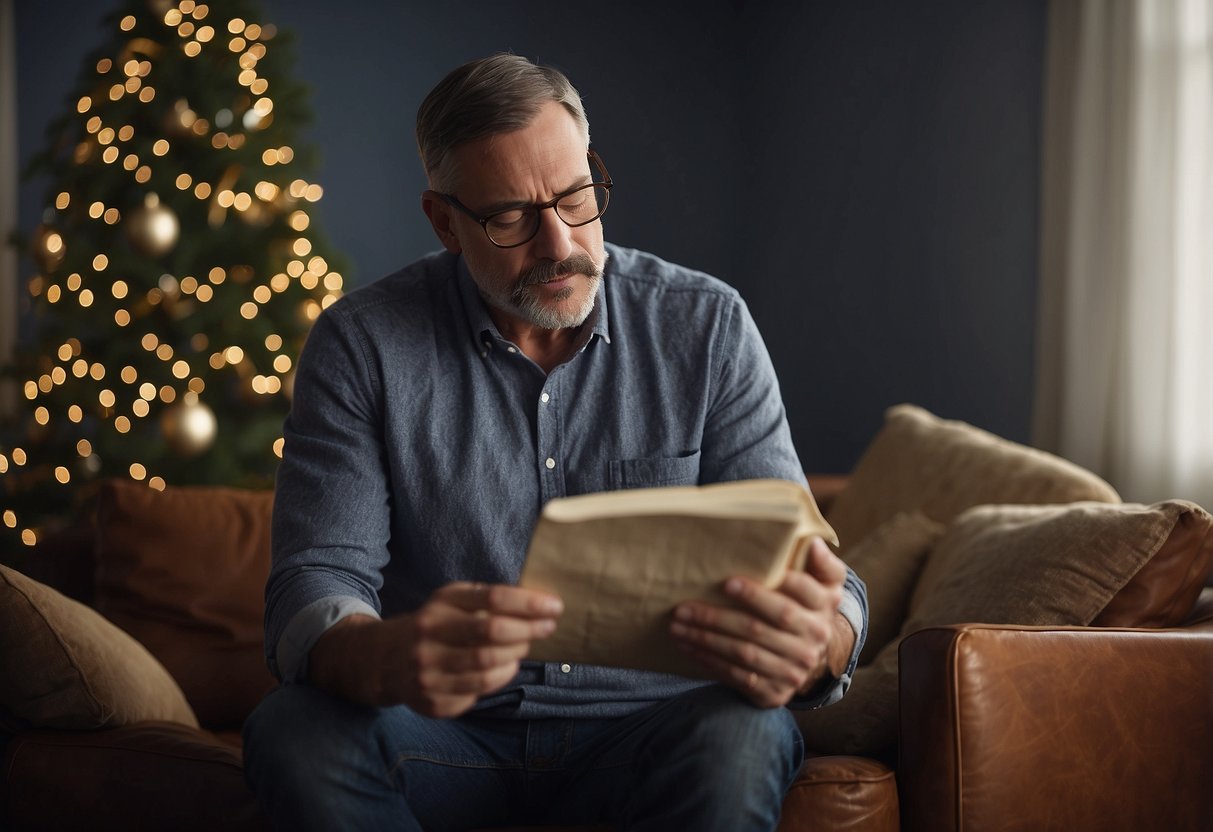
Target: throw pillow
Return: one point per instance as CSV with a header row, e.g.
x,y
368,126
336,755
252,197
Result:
x,y
940,467
183,570
1033,565
888,561
64,666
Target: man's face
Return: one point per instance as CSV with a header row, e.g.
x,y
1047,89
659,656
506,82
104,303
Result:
x,y
551,281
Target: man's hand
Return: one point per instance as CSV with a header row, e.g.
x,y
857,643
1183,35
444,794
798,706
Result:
x,y
780,642
466,641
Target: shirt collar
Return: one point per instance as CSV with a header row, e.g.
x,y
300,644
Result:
x,y
480,322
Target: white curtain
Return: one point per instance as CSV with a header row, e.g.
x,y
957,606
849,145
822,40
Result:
x,y
8,198
1125,358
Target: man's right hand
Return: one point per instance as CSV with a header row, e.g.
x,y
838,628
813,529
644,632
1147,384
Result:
x,y
466,641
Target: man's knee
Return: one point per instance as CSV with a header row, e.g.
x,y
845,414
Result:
x,y
298,729
732,740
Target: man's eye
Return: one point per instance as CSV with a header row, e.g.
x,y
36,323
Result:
x,y
507,219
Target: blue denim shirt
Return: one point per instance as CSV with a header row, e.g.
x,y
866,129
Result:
x,y
421,445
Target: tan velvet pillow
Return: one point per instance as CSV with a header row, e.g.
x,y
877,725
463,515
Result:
x,y
940,467
64,666
183,570
888,561
1036,565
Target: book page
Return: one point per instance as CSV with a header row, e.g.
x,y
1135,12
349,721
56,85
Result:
x,y
620,576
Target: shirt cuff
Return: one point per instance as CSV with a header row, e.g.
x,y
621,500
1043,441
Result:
x,y
307,626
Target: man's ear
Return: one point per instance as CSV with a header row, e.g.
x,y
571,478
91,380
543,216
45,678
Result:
x,y
441,218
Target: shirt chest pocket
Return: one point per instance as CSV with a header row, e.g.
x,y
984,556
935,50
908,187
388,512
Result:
x,y
652,472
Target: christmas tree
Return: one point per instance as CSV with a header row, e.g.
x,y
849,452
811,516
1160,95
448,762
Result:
x,y
178,269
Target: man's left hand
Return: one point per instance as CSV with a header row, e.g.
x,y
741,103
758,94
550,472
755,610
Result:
x,y
778,642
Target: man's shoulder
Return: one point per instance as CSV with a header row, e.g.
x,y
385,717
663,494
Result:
x,y
642,272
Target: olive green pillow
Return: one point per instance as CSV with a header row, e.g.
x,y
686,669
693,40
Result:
x,y
62,665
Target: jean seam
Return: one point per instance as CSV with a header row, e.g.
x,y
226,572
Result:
x,y
417,758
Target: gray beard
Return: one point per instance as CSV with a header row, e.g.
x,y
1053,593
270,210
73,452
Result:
x,y
526,304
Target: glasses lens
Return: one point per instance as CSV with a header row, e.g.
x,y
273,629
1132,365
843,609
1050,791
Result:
x,y
518,225
583,205
509,228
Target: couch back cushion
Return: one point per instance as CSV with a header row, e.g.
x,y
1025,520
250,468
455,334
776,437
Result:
x,y
919,462
183,570
64,666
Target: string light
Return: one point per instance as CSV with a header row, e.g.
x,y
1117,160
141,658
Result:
x,y
238,195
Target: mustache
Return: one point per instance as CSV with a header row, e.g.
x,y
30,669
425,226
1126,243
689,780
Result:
x,y
547,270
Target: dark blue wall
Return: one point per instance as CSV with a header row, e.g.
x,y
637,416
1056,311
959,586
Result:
x,y
865,173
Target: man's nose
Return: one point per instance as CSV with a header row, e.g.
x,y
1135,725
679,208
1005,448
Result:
x,y
554,239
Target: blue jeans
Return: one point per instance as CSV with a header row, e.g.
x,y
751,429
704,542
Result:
x,y
706,760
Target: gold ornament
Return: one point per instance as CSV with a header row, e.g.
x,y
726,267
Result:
x,y
152,228
47,248
189,426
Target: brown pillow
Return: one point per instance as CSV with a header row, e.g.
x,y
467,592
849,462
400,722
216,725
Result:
x,y
940,467
64,666
1035,565
1164,591
888,561
183,570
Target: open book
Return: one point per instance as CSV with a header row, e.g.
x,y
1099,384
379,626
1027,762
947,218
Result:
x,y
622,560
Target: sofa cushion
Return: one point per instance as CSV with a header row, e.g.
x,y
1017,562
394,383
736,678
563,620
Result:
x,y
888,561
940,467
1034,565
183,570
64,666
153,775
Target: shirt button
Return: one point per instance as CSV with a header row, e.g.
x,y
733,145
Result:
x,y
544,398
510,349
566,668
550,463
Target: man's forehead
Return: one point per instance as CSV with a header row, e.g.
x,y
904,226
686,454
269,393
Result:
x,y
522,171
549,152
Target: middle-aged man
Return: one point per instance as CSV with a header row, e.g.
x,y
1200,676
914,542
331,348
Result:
x,y
435,412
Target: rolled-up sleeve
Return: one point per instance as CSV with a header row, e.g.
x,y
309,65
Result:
x,y
331,506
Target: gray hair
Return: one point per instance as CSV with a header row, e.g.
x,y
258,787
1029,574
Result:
x,y
498,94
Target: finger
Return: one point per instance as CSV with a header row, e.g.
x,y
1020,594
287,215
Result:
x,y
810,593
452,626
743,628
789,608
823,564
463,659
746,656
437,683
751,684
501,598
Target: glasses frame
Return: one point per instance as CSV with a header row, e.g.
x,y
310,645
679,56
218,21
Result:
x,y
606,182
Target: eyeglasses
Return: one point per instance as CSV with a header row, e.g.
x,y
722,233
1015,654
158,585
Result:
x,y
515,226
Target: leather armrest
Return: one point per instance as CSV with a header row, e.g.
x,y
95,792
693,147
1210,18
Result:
x,y
149,775
1006,727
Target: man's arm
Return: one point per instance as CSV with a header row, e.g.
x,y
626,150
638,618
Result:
x,y
330,538
466,641
784,641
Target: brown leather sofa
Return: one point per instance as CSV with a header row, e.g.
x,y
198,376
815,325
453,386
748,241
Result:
x,y
1000,726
